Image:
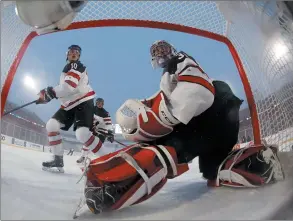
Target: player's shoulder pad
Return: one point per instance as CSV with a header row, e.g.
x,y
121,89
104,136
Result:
x,y
75,65
179,58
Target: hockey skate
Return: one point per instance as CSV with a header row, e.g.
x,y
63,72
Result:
x,y
82,160
56,165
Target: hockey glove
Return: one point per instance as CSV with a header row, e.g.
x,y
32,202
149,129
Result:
x,y
46,95
106,133
110,138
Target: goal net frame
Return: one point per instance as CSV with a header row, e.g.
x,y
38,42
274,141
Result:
x,y
145,24
125,22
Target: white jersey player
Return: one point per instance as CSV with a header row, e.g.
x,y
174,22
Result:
x,y
77,108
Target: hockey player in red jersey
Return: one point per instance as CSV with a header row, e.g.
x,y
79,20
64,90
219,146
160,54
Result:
x,y
77,108
190,116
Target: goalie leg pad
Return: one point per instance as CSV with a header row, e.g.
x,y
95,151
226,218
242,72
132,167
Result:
x,y
130,176
251,166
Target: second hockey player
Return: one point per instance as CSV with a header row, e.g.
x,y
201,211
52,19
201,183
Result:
x,y
77,108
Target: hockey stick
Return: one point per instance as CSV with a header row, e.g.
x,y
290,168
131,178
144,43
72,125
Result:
x,y
120,143
17,108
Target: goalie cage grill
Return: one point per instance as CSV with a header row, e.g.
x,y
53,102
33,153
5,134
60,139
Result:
x,y
258,35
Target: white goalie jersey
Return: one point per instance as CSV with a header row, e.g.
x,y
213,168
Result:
x,y
185,92
187,88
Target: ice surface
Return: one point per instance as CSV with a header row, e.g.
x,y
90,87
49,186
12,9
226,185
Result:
x,y
28,192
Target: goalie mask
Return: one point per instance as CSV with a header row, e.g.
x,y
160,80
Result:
x,y
161,53
48,16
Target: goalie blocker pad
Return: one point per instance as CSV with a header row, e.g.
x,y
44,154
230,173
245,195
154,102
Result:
x,y
251,166
129,176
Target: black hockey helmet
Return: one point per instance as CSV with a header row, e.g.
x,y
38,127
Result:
x,y
99,99
73,47
99,102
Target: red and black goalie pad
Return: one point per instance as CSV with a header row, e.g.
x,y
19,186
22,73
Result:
x,y
251,166
130,176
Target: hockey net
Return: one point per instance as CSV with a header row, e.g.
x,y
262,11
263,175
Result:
x,y
258,35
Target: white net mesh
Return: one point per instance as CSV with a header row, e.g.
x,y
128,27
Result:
x,y
259,31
